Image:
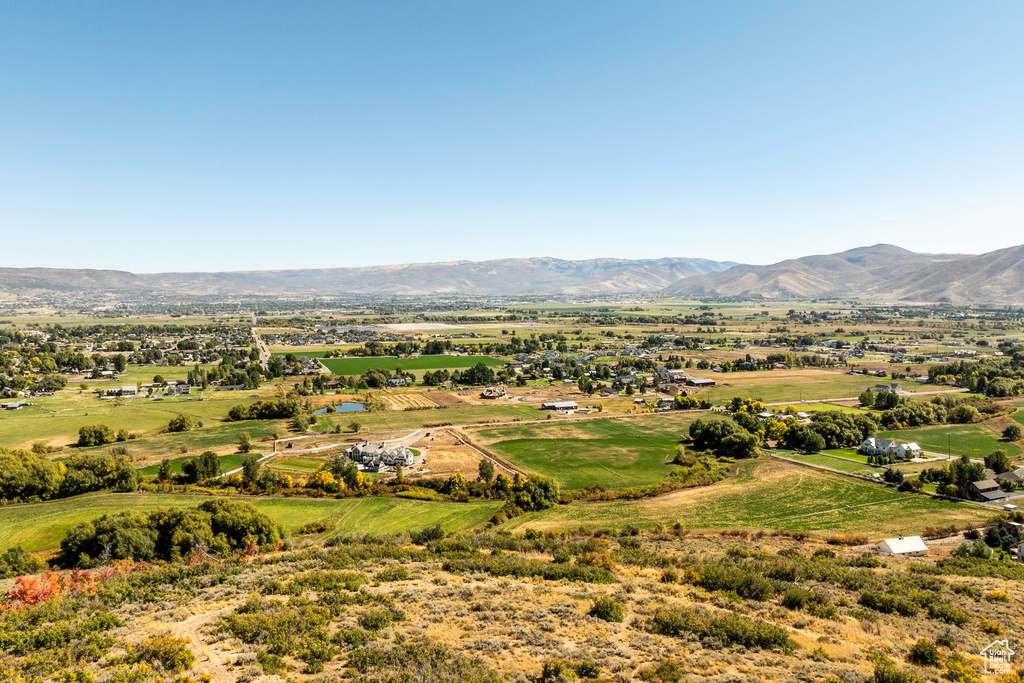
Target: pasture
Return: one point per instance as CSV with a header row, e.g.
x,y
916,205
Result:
x,y
615,453
41,526
769,494
789,386
55,420
972,440
357,366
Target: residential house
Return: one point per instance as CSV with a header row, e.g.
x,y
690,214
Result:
x,y
892,388
494,392
373,456
987,490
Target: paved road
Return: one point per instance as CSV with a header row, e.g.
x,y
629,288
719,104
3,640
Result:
x,y
262,347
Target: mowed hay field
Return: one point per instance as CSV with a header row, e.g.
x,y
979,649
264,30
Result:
x,y
615,453
406,401
357,366
973,440
41,526
770,494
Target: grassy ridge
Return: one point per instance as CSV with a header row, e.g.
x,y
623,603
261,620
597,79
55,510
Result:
x,y
357,366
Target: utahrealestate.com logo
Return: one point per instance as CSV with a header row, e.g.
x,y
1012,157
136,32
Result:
x,y
998,657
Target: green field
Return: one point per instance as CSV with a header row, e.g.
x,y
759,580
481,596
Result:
x,y
40,526
297,465
1018,416
56,419
614,453
769,494
793,385
975,440
836,463
357,366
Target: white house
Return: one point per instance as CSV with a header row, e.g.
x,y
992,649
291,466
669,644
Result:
x,y
905,451
909,546
876,445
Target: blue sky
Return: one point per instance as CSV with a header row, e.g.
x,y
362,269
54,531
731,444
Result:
x,y
236,136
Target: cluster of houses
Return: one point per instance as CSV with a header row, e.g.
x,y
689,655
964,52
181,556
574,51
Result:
x,y
379,456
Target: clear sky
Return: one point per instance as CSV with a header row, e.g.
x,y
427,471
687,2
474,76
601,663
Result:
x,y
152,136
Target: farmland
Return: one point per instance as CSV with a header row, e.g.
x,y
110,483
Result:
x,y
793,385
41,526
613,453
357,366
769,494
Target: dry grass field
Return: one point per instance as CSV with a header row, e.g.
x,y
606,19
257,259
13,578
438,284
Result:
x,y
406,401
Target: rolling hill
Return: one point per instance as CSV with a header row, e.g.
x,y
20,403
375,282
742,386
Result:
x,y
497,277
881,272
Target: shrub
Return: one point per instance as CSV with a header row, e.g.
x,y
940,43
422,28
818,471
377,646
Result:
x,y
959,670
374,619
730,629
15,561
924,653
888,603
886,672
427,534
272,664
393,574
172,653
607,609
948,614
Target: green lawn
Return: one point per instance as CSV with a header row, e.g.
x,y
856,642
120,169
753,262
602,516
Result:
x,y
297,464
357,366
614,453
768,494
974,440
41,526
1018,416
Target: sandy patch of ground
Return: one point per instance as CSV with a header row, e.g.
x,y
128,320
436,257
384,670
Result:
x,y
446,455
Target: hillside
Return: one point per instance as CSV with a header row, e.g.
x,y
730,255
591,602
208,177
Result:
x,y
497,277
881,272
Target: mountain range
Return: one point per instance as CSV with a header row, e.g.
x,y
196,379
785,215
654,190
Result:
x,y
502,277
881,273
